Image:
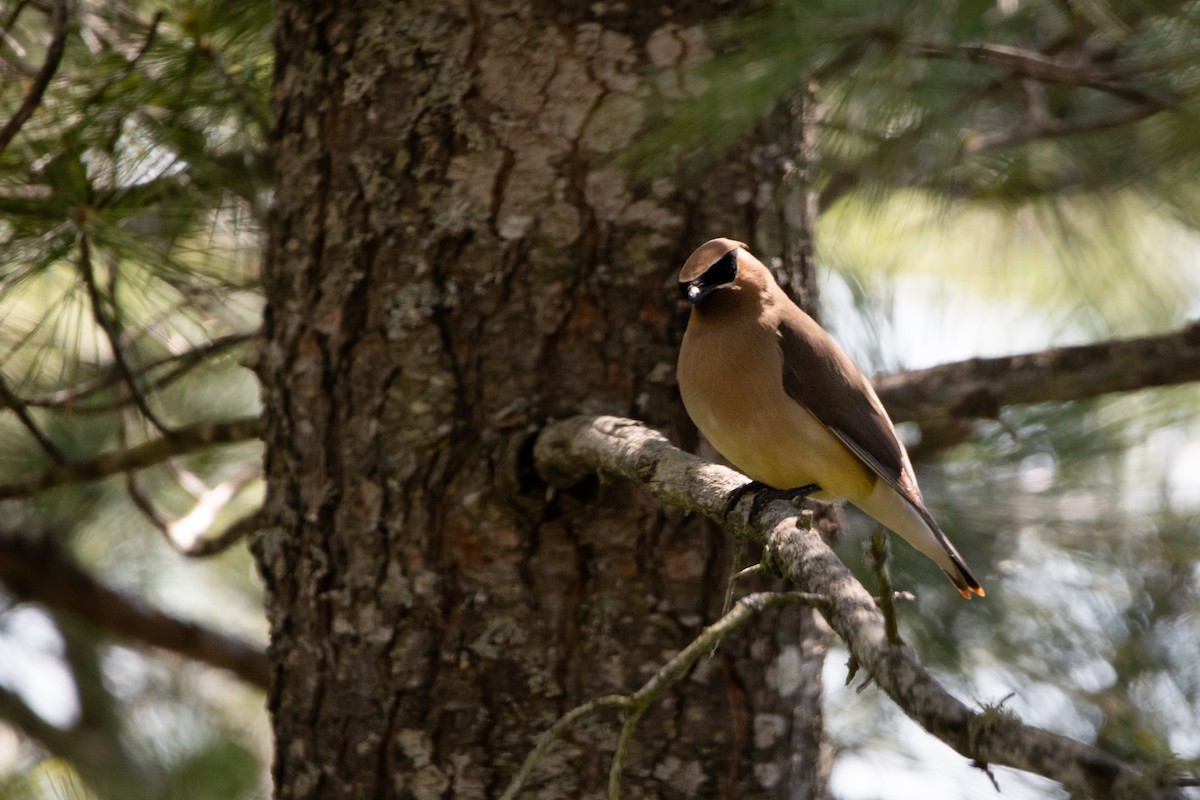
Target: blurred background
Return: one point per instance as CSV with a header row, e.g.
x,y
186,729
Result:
x,y
992,178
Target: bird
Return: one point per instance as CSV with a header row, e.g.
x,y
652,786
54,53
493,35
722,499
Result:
x,y
782,402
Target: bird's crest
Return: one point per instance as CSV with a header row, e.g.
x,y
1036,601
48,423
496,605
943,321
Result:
x,y
705,256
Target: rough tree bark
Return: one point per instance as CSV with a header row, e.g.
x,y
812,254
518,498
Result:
x,y
453,259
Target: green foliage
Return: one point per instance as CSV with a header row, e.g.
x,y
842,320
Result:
x,y
956,97
131,208
49,779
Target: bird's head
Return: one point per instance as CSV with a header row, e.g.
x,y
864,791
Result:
x,y
713,266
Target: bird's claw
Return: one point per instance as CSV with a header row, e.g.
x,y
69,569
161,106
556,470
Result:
x,y
764,494
737,494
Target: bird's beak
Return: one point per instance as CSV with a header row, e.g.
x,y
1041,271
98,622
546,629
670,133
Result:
x,y
695,291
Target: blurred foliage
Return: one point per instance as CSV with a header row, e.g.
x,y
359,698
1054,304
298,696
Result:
x,y
957,97
995,177
131,210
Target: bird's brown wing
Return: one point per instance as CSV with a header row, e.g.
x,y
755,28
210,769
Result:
x,y
823,379
819,376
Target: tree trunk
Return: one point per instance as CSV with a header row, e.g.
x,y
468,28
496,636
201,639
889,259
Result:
x,y
454,258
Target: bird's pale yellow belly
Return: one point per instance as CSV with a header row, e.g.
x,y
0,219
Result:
x,y
773,439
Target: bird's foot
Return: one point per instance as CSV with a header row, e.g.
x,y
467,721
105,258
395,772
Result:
x,y
764,494
737,494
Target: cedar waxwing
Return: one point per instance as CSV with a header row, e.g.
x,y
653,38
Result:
x,y
777,397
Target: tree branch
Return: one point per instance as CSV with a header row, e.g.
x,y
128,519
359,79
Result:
x,y
1057,129
68,400
9,399
190,535
179,442
1046,69
973,389
566,451
38,570
33,98
633,705
979,387
109,324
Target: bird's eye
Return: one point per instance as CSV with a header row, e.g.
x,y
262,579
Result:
x,y
723,271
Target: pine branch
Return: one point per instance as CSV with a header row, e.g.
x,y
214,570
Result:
x,y
38,570
33,98
109,324
1036,66
567,451
979,387
1057,129
68,400
180,442
8,399
191,535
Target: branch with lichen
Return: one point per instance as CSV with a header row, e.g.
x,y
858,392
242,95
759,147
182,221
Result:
x,y
632,706
978,388
567,451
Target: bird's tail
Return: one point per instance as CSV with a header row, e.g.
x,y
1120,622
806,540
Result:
x,y
917,527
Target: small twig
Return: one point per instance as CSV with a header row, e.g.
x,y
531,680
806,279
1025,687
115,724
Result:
x,y
33,98
12,401
236,531
151,35
554,732
188,480
678,666
1039,67
880,552
108,324
635,704
1057,129
852,667
145,505
6,26
185,533
986,769
181,441
181,364
735,564
628,728
133,488
862,687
